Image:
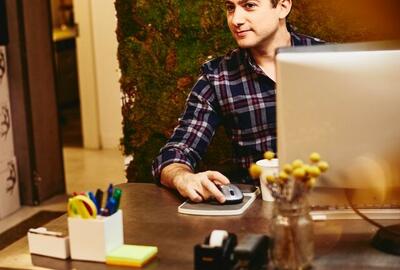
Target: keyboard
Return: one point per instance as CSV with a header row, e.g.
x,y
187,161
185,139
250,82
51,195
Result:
x,y
375,212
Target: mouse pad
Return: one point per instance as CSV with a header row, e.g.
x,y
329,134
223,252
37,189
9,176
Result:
x,y
213,209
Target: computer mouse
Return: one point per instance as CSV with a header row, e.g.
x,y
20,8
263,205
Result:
x,y
232,193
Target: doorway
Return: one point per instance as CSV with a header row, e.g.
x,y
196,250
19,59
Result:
x,y
65,32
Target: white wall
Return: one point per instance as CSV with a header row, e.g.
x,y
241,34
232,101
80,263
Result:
x,y
98,73
104,23
9,189
87,75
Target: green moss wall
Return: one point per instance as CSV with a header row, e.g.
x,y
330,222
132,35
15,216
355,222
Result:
x,y
163,43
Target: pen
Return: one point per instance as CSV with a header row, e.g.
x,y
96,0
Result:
x,y
111,206
109,192
117,196
99,199
93,198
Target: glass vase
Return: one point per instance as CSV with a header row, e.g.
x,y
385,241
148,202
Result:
x,y
293,237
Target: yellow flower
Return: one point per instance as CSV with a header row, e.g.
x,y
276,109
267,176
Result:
x,y
315,157
299,173
313,171
254,171
269,155
306,167
311,182
270,179
297,163
288,168
323,166
283,176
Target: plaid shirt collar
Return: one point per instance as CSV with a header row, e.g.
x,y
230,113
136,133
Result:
x,y
296,40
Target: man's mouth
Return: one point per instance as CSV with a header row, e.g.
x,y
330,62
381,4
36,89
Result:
x,y
242,33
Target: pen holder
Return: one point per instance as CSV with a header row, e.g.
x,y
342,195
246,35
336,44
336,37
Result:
x,y
92,239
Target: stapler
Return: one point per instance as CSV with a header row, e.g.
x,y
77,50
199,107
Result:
x,y
217,251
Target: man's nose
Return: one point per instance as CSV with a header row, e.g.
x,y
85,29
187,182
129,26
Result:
x,y
238,17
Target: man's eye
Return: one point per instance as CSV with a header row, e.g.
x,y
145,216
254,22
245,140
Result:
x,y
230,8
250,5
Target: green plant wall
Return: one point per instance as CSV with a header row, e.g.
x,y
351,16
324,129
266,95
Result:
x,y
163,43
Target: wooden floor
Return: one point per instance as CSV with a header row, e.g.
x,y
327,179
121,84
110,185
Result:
x,y
85,170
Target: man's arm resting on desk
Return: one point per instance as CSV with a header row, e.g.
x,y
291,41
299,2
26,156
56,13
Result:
x,y
195,186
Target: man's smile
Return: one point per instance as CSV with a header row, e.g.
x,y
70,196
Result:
x,y
242,33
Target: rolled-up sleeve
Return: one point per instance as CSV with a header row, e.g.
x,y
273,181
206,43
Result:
x,y
194,132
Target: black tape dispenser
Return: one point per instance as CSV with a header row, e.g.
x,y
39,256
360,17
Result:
x,y
217,252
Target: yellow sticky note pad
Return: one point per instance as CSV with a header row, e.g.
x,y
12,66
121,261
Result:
x,y
131,255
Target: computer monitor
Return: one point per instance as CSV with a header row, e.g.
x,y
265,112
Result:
x,y
342,101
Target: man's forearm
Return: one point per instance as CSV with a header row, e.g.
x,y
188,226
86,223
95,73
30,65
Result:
x,y
171,173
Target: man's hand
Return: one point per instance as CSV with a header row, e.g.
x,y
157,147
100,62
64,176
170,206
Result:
x,y
195,186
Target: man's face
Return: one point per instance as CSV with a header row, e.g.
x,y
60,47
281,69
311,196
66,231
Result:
x,y
252,22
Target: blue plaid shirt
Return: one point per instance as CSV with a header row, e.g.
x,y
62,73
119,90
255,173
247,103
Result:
x,y
233,91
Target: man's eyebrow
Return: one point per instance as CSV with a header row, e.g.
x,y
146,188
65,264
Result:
x,y
241,2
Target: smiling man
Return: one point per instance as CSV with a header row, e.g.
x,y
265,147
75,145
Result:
x,y
237,91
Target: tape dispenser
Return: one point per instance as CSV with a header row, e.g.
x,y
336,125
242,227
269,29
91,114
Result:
x,y
217,251
252,252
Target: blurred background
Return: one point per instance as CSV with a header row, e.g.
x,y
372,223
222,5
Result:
x,y
163,44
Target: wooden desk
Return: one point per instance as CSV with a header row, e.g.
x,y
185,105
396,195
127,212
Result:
x,y
151,218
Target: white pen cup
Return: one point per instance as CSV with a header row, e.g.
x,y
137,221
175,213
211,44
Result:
x,y
91,239
268,167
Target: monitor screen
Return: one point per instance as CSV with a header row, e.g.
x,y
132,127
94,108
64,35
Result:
x,y
342,101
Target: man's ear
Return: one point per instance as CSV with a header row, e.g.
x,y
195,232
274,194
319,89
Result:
x,y
285,6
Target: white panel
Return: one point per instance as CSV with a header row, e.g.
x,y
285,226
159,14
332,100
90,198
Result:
x,y
9,189
87,75
3,76
6,136
104,24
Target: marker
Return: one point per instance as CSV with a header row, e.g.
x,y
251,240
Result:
x,y
117,196
99,199
109,192
93,198
111,206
